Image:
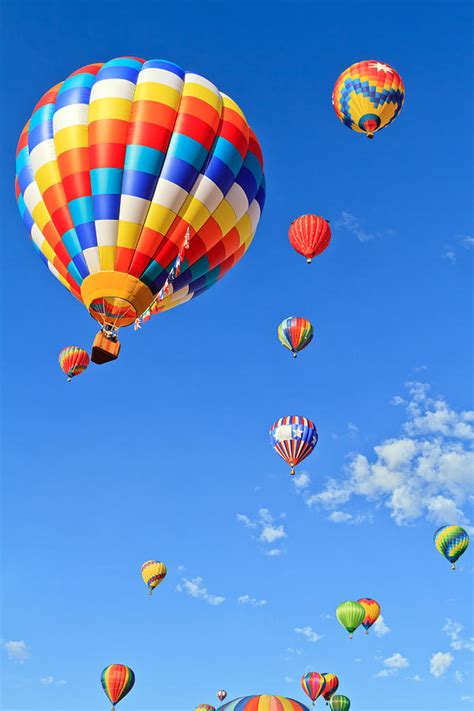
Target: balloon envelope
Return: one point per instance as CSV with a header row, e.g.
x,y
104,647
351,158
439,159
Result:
x,y
221,694
153,572
451,541
263,703
372,611
350,614
116,163
309,235
330,688
368,96
313,685
339,702
117,680
73,361
294,438
295,333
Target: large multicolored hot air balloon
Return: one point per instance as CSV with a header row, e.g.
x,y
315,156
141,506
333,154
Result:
x,y
118,165
117,680
368,96
313,685
339,703
294,438
153,572
263,703
295,333
73,361
221,694
309,235
451,541
331,685
350,614
372,612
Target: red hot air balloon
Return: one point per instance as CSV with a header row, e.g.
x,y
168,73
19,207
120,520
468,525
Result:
x,y
73,361
309,235
221,694
330,687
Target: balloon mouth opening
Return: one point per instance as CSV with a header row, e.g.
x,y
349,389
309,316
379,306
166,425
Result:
x,y
369,123
115,299
112,311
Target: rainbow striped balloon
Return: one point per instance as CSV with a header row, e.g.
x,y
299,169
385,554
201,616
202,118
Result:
x,y
117,680
73,361
451,541
263,703
294,438
331,686
372,612
295,333
313,684
368,96
122,160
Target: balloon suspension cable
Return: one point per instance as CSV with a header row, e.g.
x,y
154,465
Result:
x,y
172,275
110,331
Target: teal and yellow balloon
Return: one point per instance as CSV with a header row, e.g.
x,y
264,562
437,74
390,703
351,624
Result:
x,y
295,333
350,614
339,702
451,541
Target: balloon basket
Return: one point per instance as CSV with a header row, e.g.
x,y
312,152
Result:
x,y
104,349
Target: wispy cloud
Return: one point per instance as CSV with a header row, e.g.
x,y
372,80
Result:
x,y
425,470
49,680
453,630
17,651
458,677
269,530
309,633
440,663
393,665
194,587
249,600
452,252
352,224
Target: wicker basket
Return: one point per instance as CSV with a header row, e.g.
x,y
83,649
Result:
x,y
104,349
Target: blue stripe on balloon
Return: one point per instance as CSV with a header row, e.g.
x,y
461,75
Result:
x,y
106,181
179,172
106,207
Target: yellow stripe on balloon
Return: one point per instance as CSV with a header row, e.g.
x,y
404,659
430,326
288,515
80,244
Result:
x,y
109,108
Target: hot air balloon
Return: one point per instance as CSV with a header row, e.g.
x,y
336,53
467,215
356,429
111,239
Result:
x,y
73,361
294,438
205,707
330,687
118,166
313,685
368,96
295,333
350,614
372,612
339,703
221,694
309,235
153,572
451,541
117,680
263,703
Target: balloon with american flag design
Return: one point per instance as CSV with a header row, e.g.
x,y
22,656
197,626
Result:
x,y
293,437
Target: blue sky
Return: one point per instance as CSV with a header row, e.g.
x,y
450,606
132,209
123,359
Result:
x,y
165,453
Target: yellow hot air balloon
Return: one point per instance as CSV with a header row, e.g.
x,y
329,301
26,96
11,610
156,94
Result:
x,y
153,572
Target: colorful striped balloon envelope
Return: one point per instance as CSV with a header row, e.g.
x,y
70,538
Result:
x,y
263,703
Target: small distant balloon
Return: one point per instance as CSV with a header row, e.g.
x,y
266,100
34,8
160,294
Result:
x,y
205,707
372,612
330,687
73,361
313,684
339,703
368,96
117,680
221,694
309,235
295,333
350,614
153,572
294,438
451,541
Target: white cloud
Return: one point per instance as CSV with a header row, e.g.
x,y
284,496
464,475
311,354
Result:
x,y
18,651
440,662
453,630
467,698
352,224
289,680
416,678
301,481
425,471
450,255
393,665
48,680
194,588
340,517
309,633
270,531
458,677
248,600
380,628
468,241
353,429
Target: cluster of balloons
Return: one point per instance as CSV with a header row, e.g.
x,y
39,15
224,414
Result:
x,y
353,613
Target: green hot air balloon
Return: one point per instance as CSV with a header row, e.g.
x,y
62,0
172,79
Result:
x,y
350,614
339,702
